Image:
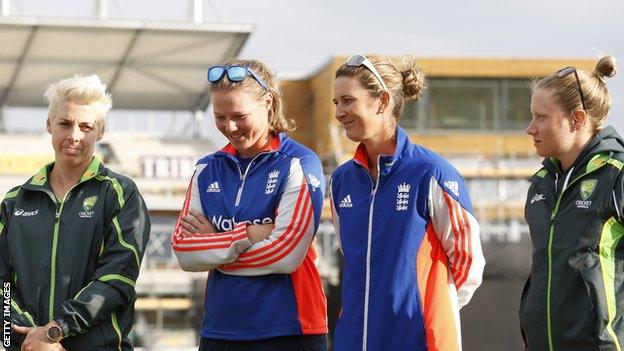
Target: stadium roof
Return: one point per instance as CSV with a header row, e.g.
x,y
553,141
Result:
x,y
146,66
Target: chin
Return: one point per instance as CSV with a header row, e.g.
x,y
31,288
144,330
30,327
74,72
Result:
x,y
542,153
354,136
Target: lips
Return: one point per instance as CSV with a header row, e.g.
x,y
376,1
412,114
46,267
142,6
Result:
x,y
71,149
237,138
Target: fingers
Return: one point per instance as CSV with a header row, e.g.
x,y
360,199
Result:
x,y
199,216
20,329
192,221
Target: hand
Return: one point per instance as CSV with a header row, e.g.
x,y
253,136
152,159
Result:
x,y
258,232
196,223
37,339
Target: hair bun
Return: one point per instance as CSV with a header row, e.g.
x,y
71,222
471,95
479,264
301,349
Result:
x,y
606,67
413,79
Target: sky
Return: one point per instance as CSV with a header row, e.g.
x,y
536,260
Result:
x,y
296,38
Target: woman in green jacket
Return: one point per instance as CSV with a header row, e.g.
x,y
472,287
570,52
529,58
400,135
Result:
x,y
574,297
72,237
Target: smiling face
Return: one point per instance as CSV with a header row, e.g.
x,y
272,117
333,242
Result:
x,y
550,126
243,119
357,110
74,130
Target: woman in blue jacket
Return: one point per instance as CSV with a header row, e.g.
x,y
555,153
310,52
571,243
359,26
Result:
x,y
250,215
406,225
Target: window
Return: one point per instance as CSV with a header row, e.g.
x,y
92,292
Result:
x,y
470,104
518,105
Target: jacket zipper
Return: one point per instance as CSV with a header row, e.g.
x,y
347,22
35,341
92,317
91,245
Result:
x,y
57,216
368,256
243,177
550,260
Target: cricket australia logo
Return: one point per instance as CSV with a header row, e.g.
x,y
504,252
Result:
x,y
87,206
313,181
587,188
271,182
402,197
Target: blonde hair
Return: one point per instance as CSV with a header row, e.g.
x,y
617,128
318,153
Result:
x,y
404,79
277,118
82,90
595,92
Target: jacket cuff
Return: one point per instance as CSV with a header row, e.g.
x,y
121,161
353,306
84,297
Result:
x,y
64,327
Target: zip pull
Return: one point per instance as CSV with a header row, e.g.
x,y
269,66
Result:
x,y
57,214
240,191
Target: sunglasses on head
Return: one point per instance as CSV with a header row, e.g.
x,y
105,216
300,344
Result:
x,y
564,72
234,74
361,60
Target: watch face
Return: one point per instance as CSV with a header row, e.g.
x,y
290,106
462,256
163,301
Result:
x,y
54,333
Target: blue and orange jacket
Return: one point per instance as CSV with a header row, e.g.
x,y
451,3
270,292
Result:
x,y
271,288
412,254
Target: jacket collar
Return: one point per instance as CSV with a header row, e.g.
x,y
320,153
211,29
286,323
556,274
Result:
x,y
385,161
41,178
274,145
598,149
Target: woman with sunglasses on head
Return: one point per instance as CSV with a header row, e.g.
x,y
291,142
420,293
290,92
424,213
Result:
x,y
574,297
250,215
407,230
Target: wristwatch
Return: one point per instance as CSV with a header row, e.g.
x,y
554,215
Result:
x,y
54,333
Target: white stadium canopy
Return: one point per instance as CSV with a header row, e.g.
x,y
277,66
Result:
x,y
146,66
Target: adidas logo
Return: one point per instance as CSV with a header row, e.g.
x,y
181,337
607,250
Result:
x,y
453,186
346,202
213,188
271,182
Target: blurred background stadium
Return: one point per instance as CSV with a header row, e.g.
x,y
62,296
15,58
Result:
x,y
153,57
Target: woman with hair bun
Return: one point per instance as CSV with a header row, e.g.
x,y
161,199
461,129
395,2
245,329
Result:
x,y
407,229
574,297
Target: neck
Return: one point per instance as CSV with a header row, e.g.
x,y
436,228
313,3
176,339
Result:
x,y
262,144
65,176
568,159
384,143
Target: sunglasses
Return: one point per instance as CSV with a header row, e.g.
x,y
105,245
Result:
x,y
361,60
234,74
564,72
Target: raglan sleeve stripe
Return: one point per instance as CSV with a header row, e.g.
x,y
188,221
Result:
x,y
295,225
458,232
205,251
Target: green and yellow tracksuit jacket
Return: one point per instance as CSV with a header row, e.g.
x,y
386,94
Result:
x,y
574,297
75,260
